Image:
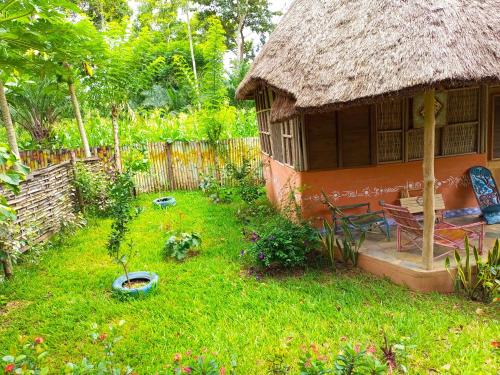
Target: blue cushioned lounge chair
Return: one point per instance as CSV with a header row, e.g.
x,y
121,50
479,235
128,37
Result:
x,y
487,195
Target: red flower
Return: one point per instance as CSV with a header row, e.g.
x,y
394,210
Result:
x,y
177,357
222,371
102,336
38,340
186,370
495,344
9,368
357,348
371,349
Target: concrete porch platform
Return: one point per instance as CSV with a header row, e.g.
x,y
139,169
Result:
x,y
379,256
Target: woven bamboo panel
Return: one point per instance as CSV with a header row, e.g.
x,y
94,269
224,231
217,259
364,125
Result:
x,y
460,139
389,146
46,198
390,115
416,143
276,141
463,105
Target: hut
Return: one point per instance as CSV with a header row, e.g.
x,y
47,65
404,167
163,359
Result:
x,y
365,98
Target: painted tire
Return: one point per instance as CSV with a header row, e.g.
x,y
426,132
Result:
x,y
165,202
140,275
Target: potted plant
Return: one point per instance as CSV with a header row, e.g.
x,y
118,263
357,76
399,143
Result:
x,y
121,196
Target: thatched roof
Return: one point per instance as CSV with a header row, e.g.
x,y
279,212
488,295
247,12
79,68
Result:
x,y
326,54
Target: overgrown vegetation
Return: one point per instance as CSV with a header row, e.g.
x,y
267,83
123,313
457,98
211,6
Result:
x,y
93,187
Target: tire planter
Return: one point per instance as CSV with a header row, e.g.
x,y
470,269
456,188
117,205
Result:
x,y
150,277
165,202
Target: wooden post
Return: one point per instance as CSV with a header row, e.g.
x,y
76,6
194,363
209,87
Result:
x,y
170,171
428,172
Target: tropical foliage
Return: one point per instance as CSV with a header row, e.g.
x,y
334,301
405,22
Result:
x,y
86,73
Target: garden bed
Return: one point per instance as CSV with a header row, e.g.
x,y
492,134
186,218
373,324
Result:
x,y
210,301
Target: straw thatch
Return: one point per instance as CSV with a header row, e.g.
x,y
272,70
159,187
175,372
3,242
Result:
x,y
330,53
283,108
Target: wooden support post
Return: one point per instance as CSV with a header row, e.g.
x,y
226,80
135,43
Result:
x,y
428,172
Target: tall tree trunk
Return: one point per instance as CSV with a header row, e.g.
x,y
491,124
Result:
x,y
79,121
7,120
428,171
7,267
191,48
116,138
241,39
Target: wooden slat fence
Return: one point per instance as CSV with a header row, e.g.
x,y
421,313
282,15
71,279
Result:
x,y
177,165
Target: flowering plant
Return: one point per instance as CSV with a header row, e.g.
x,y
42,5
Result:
x,y
28,359
205,364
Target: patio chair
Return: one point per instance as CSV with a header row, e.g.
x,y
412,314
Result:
x,y
446,234
364,221
486,192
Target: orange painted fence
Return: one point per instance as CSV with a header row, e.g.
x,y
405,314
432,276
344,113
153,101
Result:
x,y
177,165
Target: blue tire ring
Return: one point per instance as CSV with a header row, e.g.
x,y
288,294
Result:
x,y
140,275
165,202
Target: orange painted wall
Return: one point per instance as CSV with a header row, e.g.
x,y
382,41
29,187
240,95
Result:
x,y
372,183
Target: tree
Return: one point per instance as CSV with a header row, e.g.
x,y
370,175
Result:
x,y
36,105
76,46
101,12
240,15
25,43
16,38
214,91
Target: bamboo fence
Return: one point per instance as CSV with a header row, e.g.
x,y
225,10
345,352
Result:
x,y
177,165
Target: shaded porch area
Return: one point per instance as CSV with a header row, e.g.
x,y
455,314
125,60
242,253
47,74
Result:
x,y
380,257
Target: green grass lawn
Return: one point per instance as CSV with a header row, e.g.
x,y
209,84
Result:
x,y
209,302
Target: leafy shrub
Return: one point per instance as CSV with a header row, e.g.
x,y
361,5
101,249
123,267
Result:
x,y
484,284
215,190
198,364
258,211
353,360
283,242
93,188
248,185
136,159
178,245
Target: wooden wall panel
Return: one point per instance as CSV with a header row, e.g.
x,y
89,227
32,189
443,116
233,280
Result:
x,y
321,140
355,131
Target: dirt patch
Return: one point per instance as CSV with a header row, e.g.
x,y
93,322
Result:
x,y
137,283
11,306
